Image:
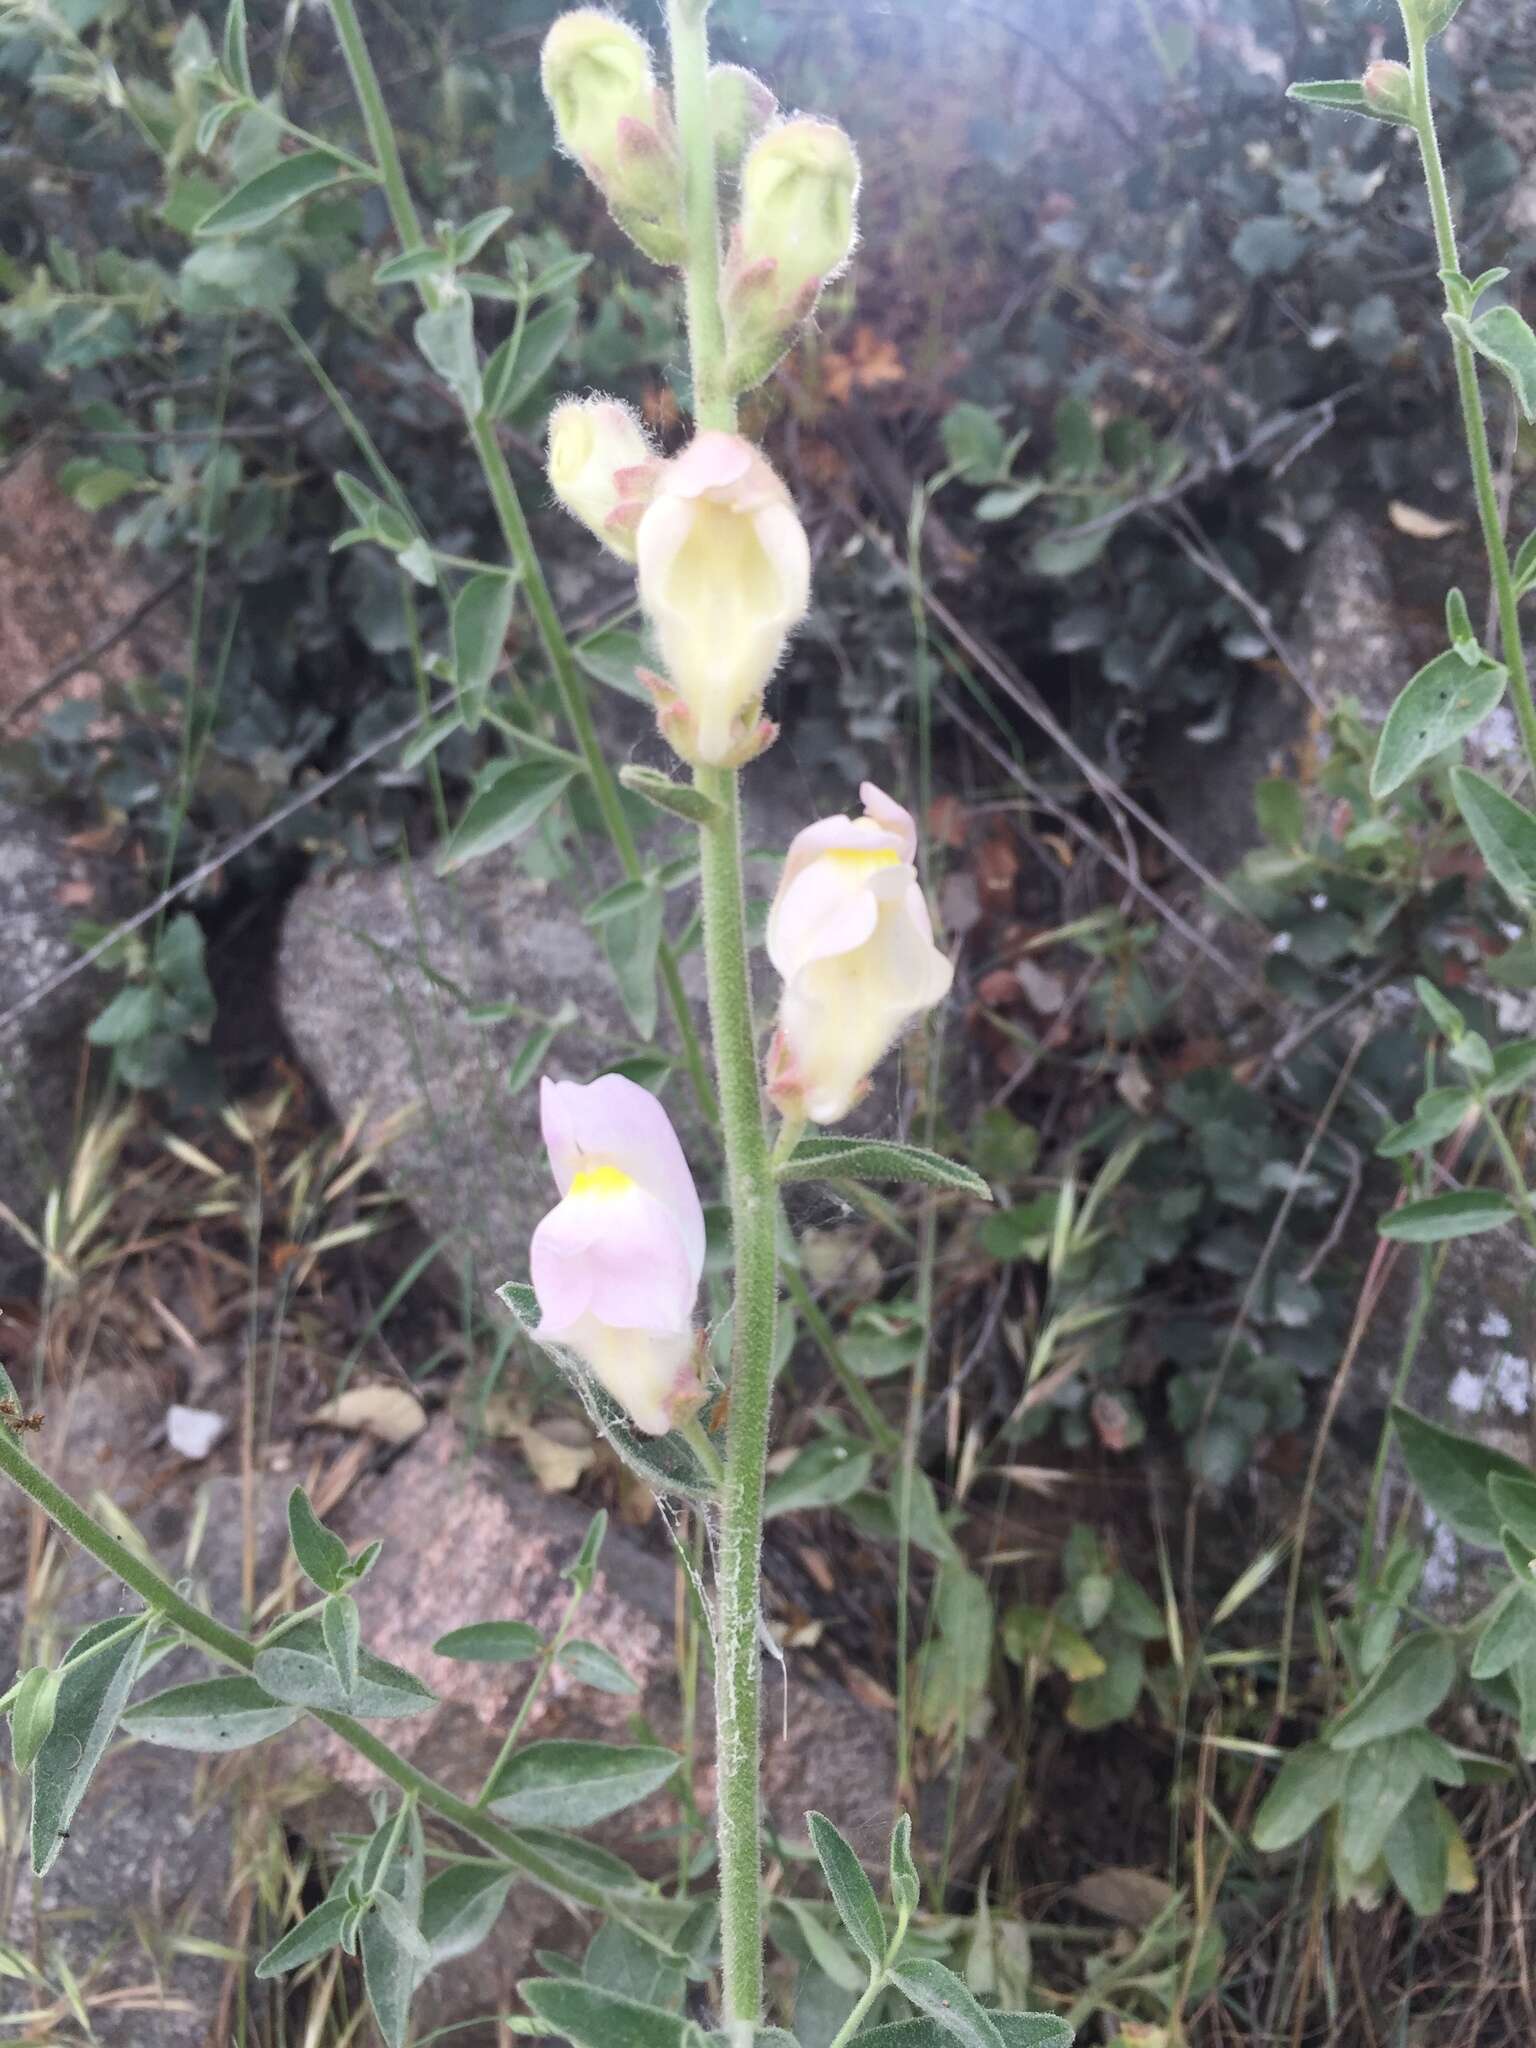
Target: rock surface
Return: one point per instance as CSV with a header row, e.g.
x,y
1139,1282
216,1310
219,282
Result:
x,y
380,969
46,887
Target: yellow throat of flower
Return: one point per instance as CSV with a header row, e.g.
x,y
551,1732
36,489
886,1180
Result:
x,y
863,860
601,1180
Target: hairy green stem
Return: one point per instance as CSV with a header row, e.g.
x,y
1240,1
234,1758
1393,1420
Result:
x,y
712,402
569,685
141,1577
1471,398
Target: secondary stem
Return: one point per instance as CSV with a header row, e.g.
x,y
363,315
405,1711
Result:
x,y
753,1195
569,685
1471,400
140,1577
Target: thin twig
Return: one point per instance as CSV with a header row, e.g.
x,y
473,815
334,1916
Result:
x,y
57,677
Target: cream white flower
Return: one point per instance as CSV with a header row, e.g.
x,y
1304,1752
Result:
x,y
798,224
613,118
616,1263
602,468
850,934
725,576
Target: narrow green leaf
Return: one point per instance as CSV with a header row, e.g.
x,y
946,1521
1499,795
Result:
x,y
612,657
1403,1693
1415,1850
582,1569
530,1056
852,1893
1504,830
620,901
942,1997
512,805
1382,1778
491,1642
315,1933
573,1784
91,1695
823,1475
411,267
1525,565
342,1630
1506,339
1445,701
678,798
1508,1635
595,1666
1436,1114
591,2018
32,1713
1018,2029
1438,1217
906,1886
1339,95
237,52
470,239
322,1556
1514,1502
1310,1783
1458,630
267,196
482,612
460,1907
632,945
879,1159
297,1669
446,338
543,338
587,1867
210,1715
395,1958
1453,1473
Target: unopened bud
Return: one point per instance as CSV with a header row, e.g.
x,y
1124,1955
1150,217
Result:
x,y
742,107
611,116
799,193
602,468
1388,89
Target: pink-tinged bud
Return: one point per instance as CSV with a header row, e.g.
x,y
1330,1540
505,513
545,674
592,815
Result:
x,y
742,107
798,222
603,468
850,935
612,117
725,577
616,1263
1388,89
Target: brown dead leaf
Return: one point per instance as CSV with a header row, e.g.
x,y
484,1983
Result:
x,y
999,988
558,1451
1133,1897
391,1413
870,361
996,867
1420,525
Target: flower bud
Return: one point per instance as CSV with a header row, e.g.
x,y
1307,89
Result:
x,y
612,117
850,934
1388,89
602,468
742,107
616,1263
799,194
725,576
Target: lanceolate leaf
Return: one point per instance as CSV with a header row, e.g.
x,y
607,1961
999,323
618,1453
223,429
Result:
x,y
1446,700
1506,339
1452,1473
1311,1781
590,2018
271,192
297,1669
395,1958
879,1159
1504,830
1339,95
1018,2030
210,1715
315,1933
1402,1694
323,1557
237,61
86,1710
942,1997
447,339
852,1893
573,1784
460,1907
543,338
491,1642
512,805
482,612
1438,1217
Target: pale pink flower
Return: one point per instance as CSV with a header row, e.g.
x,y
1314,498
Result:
x,y
602,467
850,934
725,576
616,1263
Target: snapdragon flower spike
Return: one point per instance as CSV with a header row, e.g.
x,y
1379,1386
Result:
x,y
725,576
603,468
850,934
616,1264
797,228
611,115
